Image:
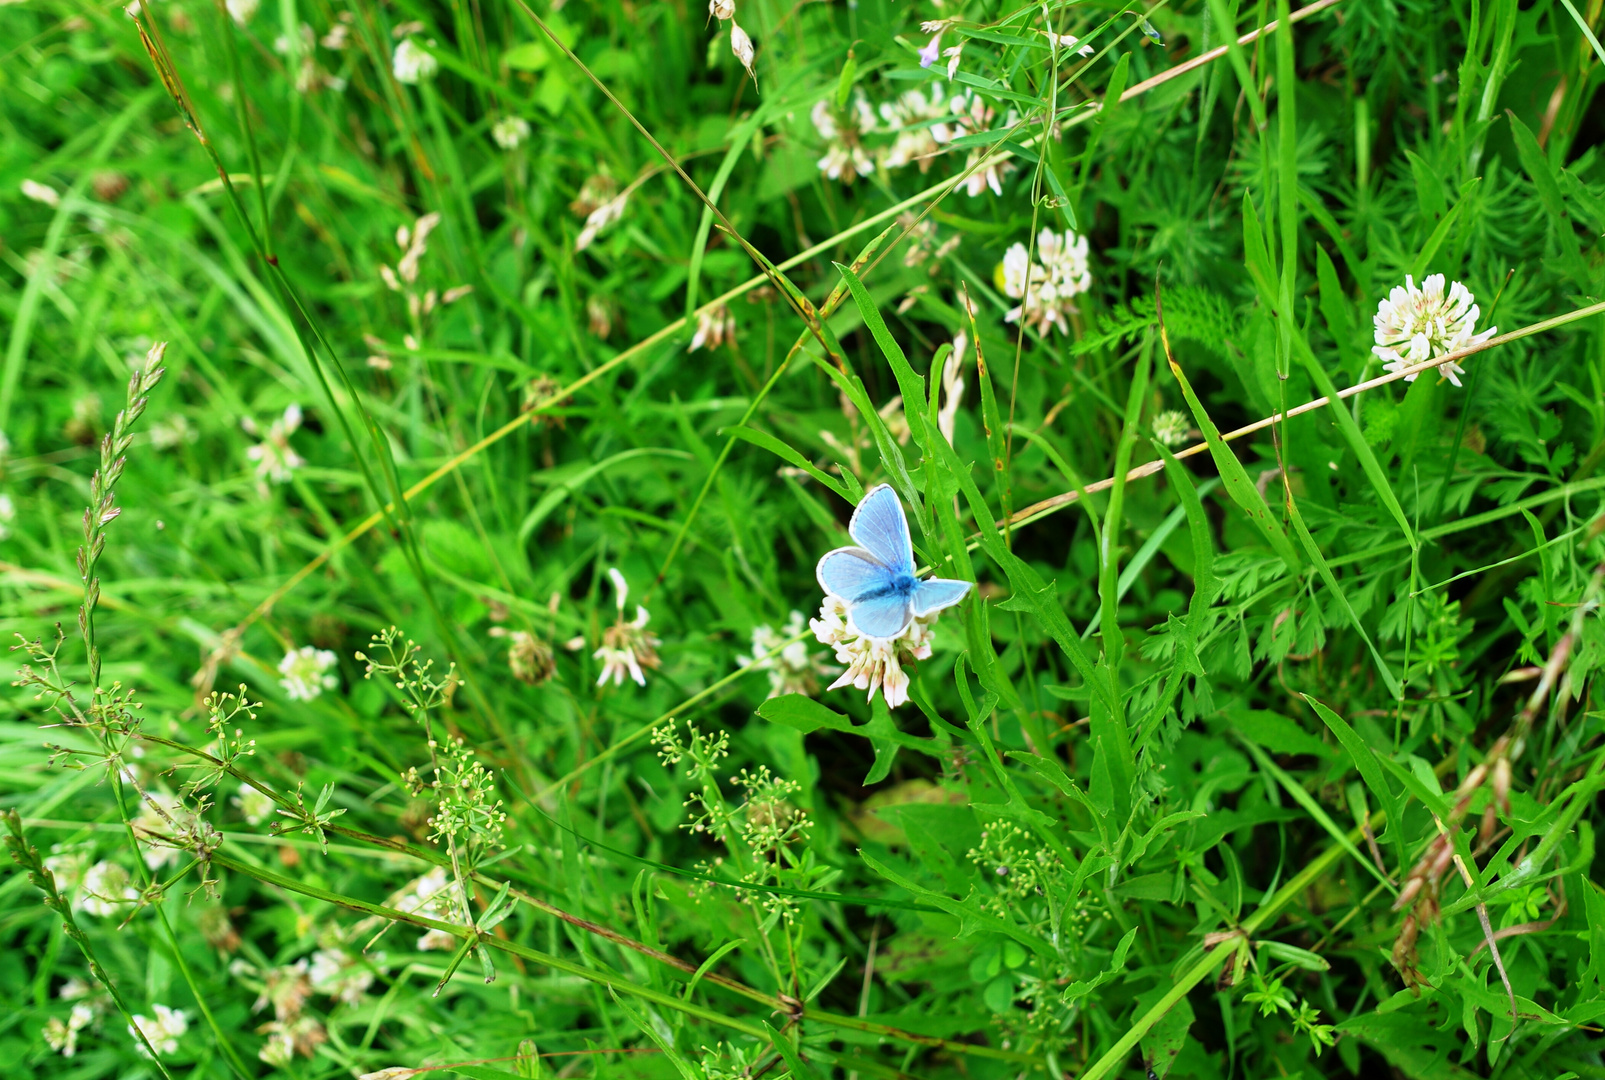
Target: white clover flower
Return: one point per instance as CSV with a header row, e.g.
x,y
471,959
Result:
x,y
107,887
275,458
845,157
794,670
63,1037
1045,288
162,1033
1417,324
1171,427
431,895
741,45
412,64
601,218
715,326
872,663
41,193
510,131
241,11
627,647
921,124
306,673
254,806
337,973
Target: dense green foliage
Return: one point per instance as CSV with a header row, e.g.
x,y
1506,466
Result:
x,y
1236,768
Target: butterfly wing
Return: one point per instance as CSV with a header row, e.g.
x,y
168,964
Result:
x,y
883,616
934,594
880,527
851,572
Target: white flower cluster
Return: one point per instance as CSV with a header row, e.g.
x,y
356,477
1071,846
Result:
x,y
627,647
715,326
412,64
1045,287
63,1036
795,670
1421,323
339,974
510,132
275,458
107,889
919,123
431,896
162,1033
306,673
872,663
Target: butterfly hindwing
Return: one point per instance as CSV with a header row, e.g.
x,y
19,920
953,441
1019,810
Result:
x,y
883,616
934,594
880,527
850,573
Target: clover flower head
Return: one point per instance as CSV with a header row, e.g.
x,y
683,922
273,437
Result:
x,y
972,115
1046,286
254,806
715,326
162,1032
922,125
339,974
412,64
306,673
275,458
287,1038
627,647
106,888
600,218
63,1035
241,11
846,158
794,670
872,663
1171,427
510,132
1418,323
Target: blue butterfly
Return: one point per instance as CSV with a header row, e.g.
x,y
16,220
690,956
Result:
x,y
876,580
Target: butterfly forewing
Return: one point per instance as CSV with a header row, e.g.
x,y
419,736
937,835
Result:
x,y
851,573
879,525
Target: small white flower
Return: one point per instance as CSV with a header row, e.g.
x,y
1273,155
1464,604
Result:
x,y
275,458
63,1037
8,514
414,243
952,386
794,670
953,55
510,131
972,115
1171,427
42,193
336,973
872,663
337,38
722,9
254,806
627,647
306,673
162,1033
715,326
921,124
1416,324
1045,288
1069,42
241,11
106,889
845,157
412,64
601,218
741,45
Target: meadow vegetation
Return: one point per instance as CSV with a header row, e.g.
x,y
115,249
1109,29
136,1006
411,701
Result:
x,y
420,423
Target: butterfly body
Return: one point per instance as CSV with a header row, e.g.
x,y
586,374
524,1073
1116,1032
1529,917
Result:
x,y
876,579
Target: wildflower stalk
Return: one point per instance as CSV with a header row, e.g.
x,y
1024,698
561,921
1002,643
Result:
x,y
27,857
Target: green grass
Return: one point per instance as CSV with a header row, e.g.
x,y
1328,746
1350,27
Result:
x,y
1228,686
